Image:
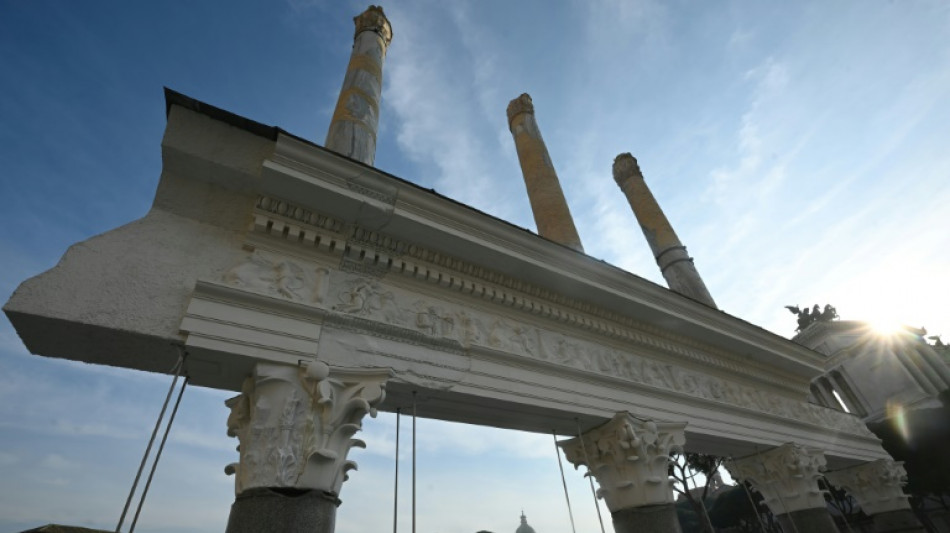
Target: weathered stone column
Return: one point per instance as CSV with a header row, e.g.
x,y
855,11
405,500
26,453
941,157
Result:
x,y
630,459
551,213
877,488
787,477
295,426
356,117
670,254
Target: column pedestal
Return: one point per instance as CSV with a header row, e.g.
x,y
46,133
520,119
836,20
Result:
x,y
647,519
291,511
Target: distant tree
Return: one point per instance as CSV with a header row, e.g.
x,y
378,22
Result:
x,y
742,509
808,316
686,469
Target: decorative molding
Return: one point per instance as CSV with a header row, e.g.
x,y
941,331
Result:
x,y
876,485
386,255
295,424
786,476
630,458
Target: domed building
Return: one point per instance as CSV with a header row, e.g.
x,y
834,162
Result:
x,y
524,527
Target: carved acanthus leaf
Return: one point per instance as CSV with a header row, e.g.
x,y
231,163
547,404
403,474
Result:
x,y
629,457
786,476
876,485
296,425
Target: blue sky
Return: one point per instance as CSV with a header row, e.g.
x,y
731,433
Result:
x,y
799,150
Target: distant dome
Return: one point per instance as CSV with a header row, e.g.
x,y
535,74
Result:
x,y
524,527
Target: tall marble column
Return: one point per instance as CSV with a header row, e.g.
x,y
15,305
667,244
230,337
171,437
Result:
x,y
787,477
356,117
876,486
630,458
551,214
675,264
295,426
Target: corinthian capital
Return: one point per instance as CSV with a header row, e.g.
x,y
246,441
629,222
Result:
x,y
522,104
373,19
875,485
786,476
295,424
629,458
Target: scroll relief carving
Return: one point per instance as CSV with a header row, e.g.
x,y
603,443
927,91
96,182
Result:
x,y
875,485
279,276
630,459
295,424
466,327
786,476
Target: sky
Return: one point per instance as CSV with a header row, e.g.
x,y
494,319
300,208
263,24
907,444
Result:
x,y
799,150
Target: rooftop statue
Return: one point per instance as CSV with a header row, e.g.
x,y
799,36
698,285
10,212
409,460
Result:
x,y
808,316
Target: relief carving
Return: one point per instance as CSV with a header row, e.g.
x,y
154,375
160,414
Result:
x,y
786,476
875,485
469,328
274,275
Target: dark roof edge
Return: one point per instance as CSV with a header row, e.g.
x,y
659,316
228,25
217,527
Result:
x,y
246,124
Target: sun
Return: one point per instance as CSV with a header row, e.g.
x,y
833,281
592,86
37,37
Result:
x,y
885,325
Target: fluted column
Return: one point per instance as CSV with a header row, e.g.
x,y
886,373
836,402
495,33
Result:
x,y
551,213
630,458
787,477
295,426
876,486
356,117
670,254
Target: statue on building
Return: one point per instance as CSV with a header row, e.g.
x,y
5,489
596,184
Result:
x,y
808,316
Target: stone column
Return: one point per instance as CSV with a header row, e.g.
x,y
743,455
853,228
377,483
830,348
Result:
x,y
787,477
551,214
356,117
670,254
876,486
630,459
295,426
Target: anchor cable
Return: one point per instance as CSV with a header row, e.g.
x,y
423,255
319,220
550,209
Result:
x,y
396,477
148,449
413,461
590,475
158,454
560,465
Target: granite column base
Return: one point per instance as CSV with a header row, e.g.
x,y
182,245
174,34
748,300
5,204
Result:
x,y
647,519
900,520
817,520
284,510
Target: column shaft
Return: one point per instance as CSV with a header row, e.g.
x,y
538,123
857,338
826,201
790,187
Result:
x,y
551,213
356,117
670,254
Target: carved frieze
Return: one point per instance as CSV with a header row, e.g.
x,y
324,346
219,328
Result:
x,y
275,275
786,476
295,424
876,485
630,458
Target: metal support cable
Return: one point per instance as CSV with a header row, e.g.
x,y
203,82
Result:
x,y
563,481
755,508
158,454
590,475
148,449
396,477
413,461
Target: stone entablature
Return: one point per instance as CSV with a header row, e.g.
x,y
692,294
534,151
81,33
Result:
x,y
786,476
296,424
877,486
375,254
630,459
